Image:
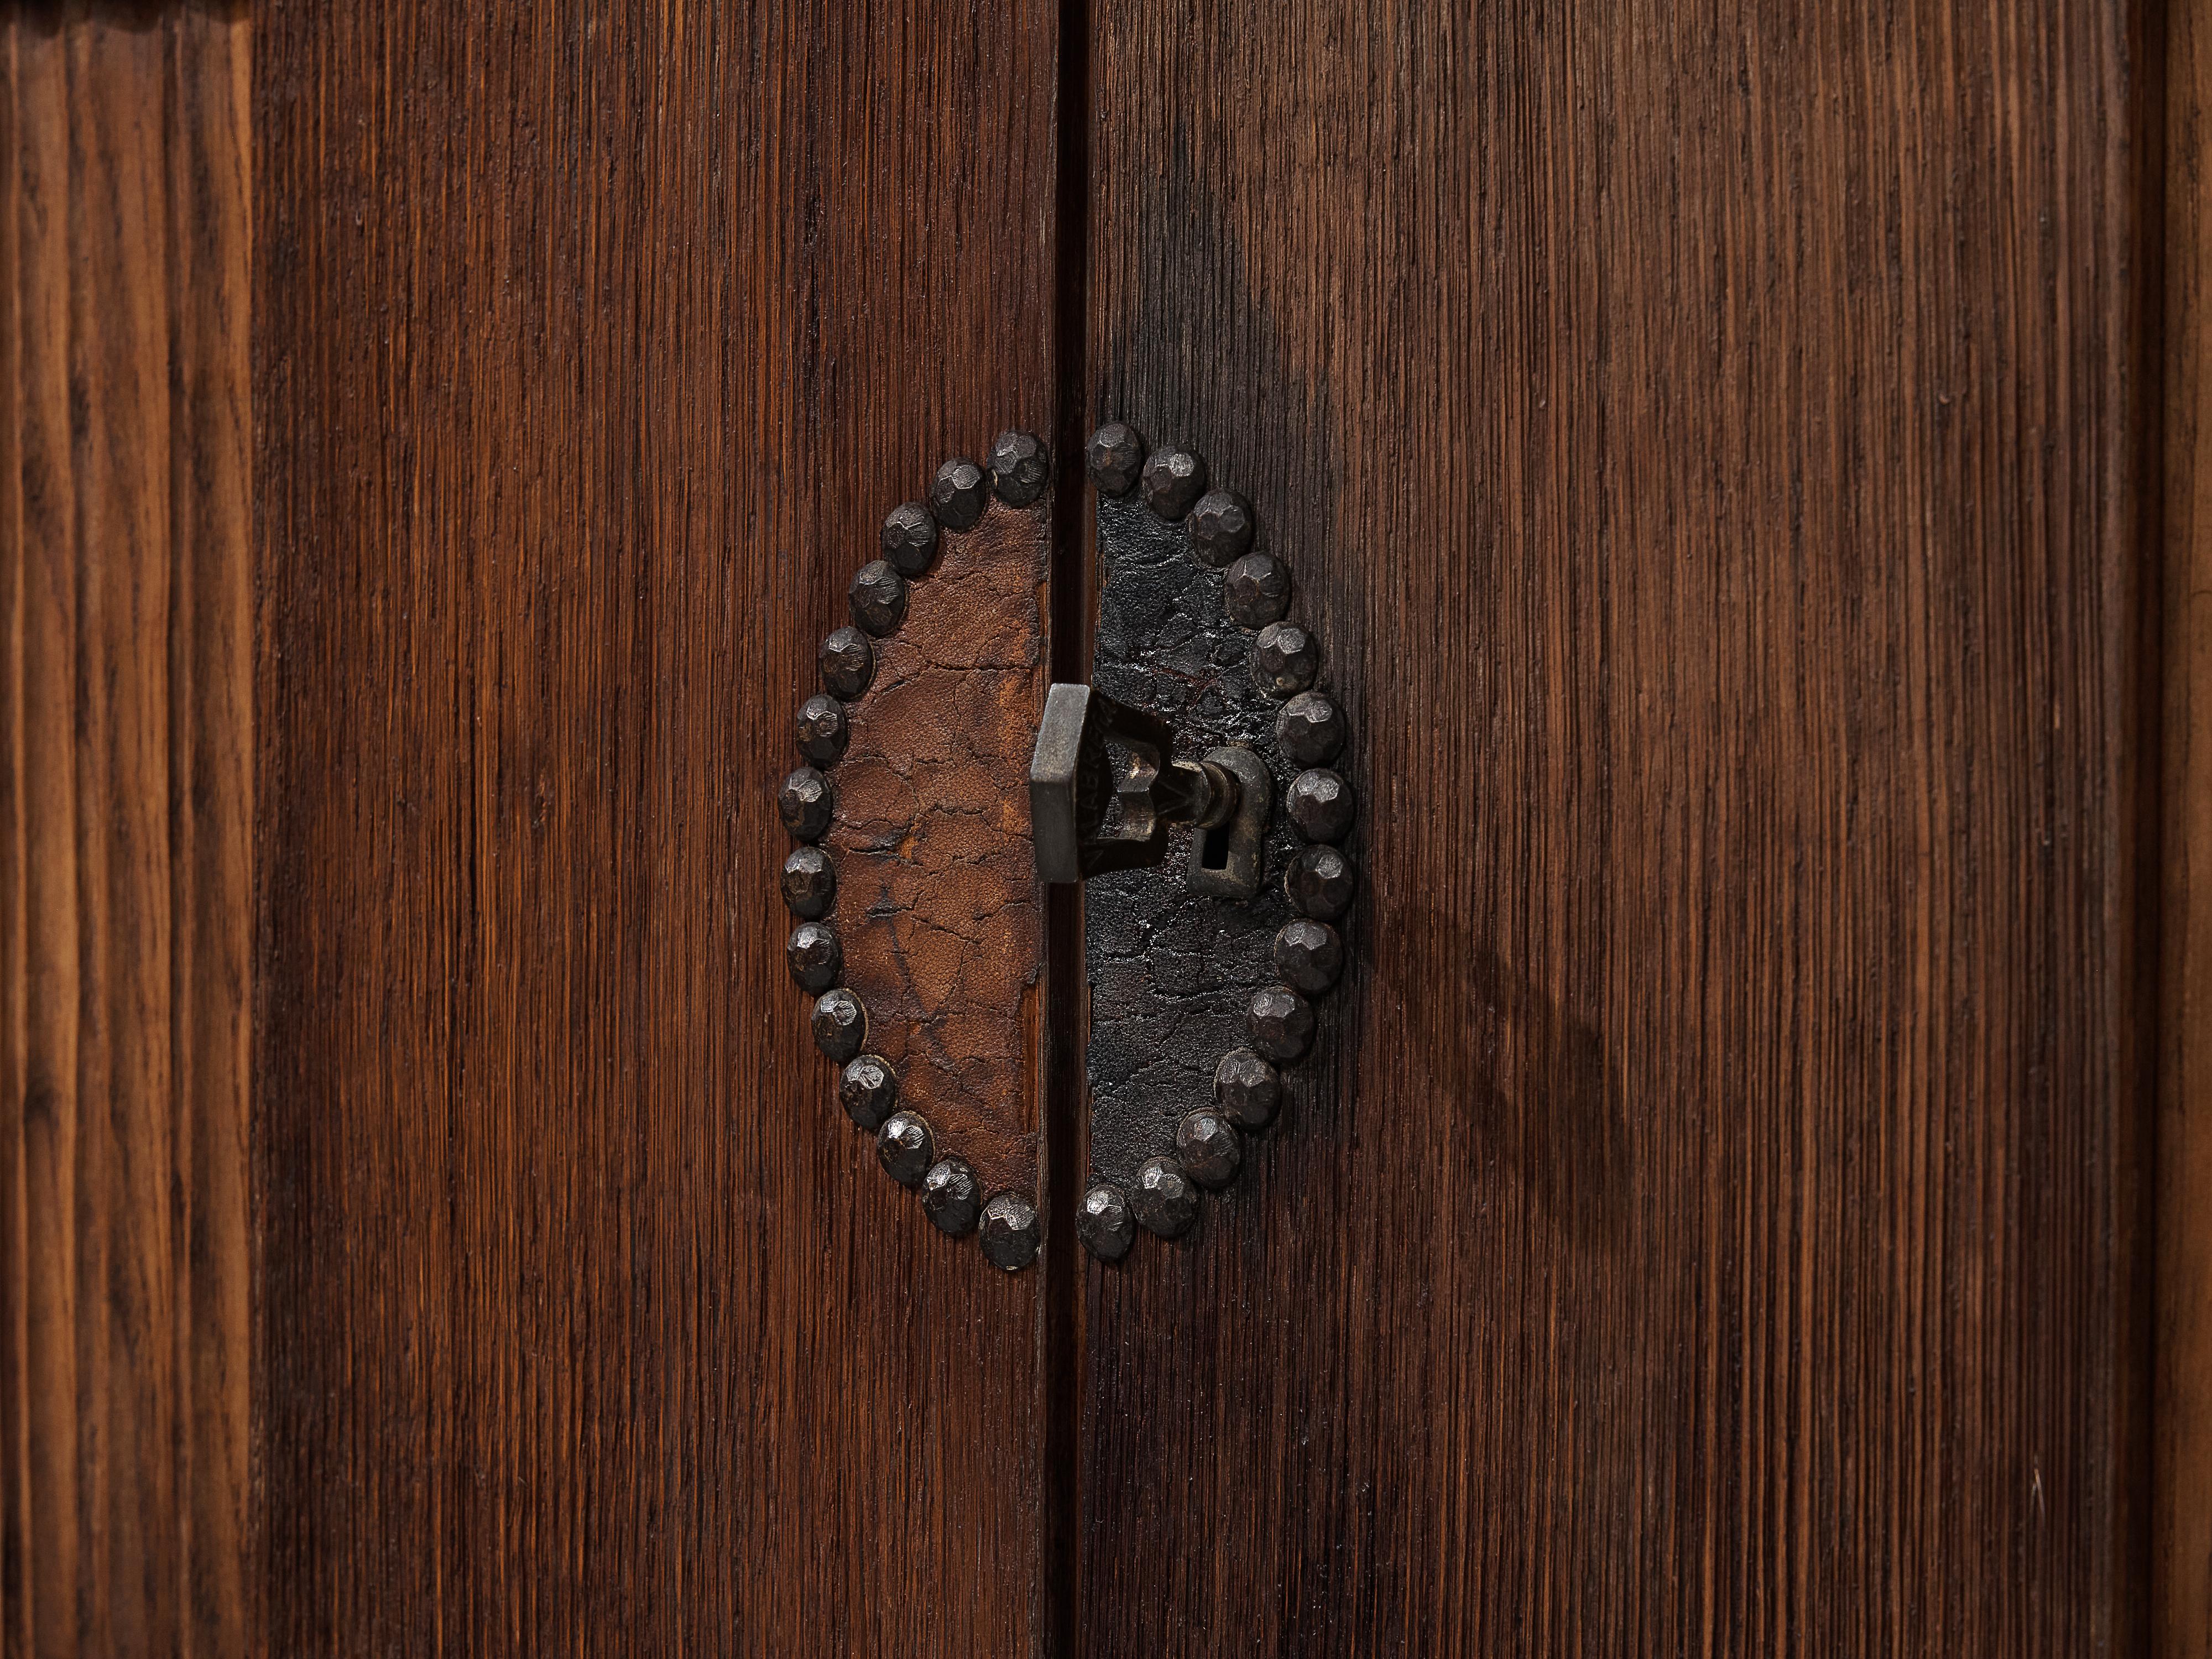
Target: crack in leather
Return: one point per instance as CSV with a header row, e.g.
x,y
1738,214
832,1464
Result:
x,y
1170,972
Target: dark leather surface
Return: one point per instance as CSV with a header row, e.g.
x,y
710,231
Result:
x,y
1170,972
937,904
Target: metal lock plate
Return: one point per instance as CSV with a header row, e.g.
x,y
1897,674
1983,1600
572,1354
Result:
x,y
1192,787
1200,998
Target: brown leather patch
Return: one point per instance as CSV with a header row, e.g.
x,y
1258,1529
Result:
x,y
939,907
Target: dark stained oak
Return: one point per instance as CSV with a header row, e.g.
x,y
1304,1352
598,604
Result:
x,y
1720,449
592,345
2182,1457
125,832
1713,442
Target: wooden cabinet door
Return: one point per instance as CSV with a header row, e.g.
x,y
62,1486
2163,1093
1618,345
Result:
x,y
1714,443
1720,449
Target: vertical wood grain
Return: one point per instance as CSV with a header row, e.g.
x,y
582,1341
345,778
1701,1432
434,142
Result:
x,y
1709,439
592,343
127,919
2183,1463
211,730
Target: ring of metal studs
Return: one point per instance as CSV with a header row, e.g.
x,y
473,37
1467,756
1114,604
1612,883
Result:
x,y
1310,733
951,1194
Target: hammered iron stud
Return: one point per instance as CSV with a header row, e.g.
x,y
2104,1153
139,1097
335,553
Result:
x,y
810,883
1246,1089
868,1091
1010,1232
952,1196
905,1148
841,1025
1113,457
1320,806
1257,590
1163,1199
1309,955
878,598
815,957
1104,1223
1284,660
1220,528
804,804
959,493
909,538
1020,468
1280,1023
1310,730
821,731
1207,1147
1174,478
848,664
1320,884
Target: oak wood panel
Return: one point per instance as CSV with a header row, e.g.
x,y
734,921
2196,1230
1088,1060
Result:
x,y
1711,438
2183,1459
593,342
125,803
